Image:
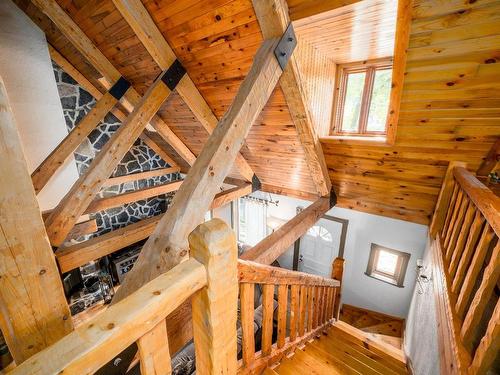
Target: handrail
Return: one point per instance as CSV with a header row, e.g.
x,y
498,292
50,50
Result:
x,y
312,304
209,277
466,225
95,343
484,199
252,272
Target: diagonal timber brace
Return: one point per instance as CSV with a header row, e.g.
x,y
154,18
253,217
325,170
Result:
x,y
65,215
167,246
68,145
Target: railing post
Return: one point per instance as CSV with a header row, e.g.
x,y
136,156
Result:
x,y
444,199
337,273
215,307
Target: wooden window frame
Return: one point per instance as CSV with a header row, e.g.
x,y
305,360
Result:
x,y
396,279
343,71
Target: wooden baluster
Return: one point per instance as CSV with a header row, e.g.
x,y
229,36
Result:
x,y
326,304
153,351
267,318
337,274
329,305
319,306
334,303
457,228
473,271
247,322
487,350
215,307
315,312
310,307
482,297
469,250
451,227
449,213
322,313
456,253
282,309
303,310
445,198
294,311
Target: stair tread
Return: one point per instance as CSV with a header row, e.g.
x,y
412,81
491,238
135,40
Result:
x,y
352,358
344,349
362,353
307,361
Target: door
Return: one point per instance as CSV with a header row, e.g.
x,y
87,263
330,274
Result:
x,y
319,247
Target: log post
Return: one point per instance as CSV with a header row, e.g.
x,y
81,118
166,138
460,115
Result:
x,y
337,274
33,310
215,307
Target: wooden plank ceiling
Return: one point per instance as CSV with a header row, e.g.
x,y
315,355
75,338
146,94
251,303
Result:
x,y
449,110
361,31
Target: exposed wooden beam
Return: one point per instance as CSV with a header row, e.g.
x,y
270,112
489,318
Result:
x,y
307,8
137,16
64,216
140,176
271,247
491,161
131,196
83,228
227,196
74,256
273,20
96,93
34,312
167,246
69,144
97,59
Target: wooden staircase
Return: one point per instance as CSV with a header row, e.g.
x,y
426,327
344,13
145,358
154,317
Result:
x,y
384,327
343,349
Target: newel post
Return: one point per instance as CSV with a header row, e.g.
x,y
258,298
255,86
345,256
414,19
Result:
x,y
337,273
215,307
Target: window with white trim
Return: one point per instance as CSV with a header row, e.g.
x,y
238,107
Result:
x,y
387,265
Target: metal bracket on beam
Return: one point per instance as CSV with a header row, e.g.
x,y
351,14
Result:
x,y
173,75
285,47
333,198
256,184
119,88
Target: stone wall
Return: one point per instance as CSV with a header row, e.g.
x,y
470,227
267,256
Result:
x,y
76,103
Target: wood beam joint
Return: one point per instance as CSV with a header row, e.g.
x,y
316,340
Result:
x,y
174,74
119,88
285,47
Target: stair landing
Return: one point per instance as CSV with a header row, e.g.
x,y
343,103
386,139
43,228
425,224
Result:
x,y
343,349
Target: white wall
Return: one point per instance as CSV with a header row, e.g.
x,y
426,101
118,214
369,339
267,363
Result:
x,y
26,70
363,230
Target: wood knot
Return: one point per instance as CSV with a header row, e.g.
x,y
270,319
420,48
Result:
x,y
111,325
42,272
183,253
156,292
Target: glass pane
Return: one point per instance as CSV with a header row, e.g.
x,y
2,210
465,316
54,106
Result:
x,y
352,105
386,262
377,115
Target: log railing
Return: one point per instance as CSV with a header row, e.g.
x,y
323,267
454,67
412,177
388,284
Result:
x,y
466,225
209,277
305,307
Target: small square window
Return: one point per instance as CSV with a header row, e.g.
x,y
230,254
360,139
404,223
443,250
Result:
x,y
387,265
362,98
